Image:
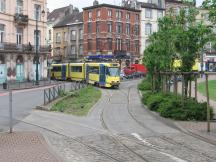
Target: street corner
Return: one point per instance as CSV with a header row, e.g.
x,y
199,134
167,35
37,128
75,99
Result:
x,y
25,147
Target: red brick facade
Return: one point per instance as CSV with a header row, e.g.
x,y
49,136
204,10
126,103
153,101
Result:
x,y
121,35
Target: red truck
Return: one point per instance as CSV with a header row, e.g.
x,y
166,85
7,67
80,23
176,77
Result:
x,y
135,70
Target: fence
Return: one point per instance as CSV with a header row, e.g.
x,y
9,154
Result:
x,y
53,93
186,84
16,85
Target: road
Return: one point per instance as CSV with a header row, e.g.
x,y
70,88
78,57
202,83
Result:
x,y
24,101
118,128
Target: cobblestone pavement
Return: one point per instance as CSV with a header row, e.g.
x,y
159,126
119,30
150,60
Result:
x,y
118,129
25,147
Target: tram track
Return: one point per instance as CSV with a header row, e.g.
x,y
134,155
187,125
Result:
x,y
165,138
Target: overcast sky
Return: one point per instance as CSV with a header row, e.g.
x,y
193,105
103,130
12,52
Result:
x,y
53,4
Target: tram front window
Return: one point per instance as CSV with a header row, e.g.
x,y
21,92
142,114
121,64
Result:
x,y
113,71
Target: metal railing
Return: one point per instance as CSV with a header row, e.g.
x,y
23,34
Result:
x,y
52,93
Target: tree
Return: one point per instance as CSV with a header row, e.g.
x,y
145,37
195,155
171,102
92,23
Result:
x,y
179,36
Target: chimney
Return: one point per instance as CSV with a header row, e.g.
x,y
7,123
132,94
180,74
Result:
x,y
95,3
70,9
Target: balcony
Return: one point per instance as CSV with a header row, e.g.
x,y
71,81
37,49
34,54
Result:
x,y
21,19
26,48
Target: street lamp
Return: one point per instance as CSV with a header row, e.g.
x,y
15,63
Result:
x,y
37,43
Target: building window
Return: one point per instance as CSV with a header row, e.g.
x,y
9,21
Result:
x,y
137,18
98,13
109,13
37,12
89,44
109,27
118,15
128,16
160,14
137,46
89,27
81,33
39,38
128,44
147,42
109,43
148,13
19,36
119,28
97,27
58,37
136,29
50,34
73,35
81,49
148,29
206,16
73,50
160,3
177,11
98,44
2,33
19,6
2,5
128,29
118,44
65,36
90,15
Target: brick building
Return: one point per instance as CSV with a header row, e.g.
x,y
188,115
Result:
x,y
110,29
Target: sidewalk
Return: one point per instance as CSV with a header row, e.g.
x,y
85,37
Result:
x,y
25,147
199,129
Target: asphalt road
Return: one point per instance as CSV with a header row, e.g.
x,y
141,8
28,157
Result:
x,y
118,128
23,102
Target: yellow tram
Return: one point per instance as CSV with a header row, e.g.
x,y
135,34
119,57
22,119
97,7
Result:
x,y
100,74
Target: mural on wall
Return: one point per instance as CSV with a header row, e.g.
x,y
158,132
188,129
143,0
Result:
x,y
3,69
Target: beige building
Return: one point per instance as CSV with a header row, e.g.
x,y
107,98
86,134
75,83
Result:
x,y
208,56
18,39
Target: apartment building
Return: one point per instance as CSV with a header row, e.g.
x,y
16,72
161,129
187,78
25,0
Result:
x,y
151,11
18,39
110,29
208,55
68,38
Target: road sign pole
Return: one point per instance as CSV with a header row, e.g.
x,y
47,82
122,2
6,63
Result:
x,y
10,111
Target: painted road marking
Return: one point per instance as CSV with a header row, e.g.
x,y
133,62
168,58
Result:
x,y
137,136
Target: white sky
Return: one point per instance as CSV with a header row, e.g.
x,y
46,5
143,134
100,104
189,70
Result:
x,y
53,4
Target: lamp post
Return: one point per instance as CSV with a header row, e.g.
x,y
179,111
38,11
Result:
x,y
37,43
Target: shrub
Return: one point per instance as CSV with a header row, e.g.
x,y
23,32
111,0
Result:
x,y
144,85
170,106
154,100
145,96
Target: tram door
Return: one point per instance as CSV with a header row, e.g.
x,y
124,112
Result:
x,y
102,79
87,73
64,68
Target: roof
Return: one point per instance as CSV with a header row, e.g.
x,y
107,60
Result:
x,y
111,6
74,18
150,5
55,14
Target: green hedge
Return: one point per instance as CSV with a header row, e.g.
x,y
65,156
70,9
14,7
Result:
x,y
170,106
144,85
